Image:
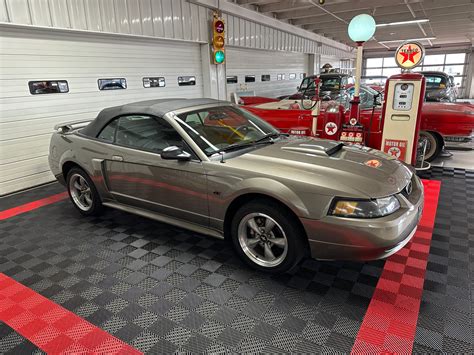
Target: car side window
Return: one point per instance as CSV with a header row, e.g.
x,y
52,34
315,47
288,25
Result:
x,y
194,119
146,133
108,132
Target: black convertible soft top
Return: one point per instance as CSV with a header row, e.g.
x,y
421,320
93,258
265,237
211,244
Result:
x,y
158,107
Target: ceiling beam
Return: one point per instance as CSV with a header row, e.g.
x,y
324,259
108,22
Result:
x,y
315,22
285,5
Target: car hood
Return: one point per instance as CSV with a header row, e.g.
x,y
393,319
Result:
x,y
349,170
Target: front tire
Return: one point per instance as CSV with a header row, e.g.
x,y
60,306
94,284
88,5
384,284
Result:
x,y
434,145
267,238
83,193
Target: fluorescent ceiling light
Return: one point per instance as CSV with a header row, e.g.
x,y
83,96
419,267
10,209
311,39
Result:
x,y
409,39
402,22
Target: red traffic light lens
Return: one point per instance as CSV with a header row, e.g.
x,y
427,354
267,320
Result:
x,y
219,26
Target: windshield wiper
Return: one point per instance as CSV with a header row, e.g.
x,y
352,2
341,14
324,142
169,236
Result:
x,y
270,135
262,140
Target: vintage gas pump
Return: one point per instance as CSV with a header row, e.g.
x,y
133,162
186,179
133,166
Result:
x,y
401,114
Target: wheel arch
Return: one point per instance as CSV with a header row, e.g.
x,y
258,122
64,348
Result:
x,y
437,135
248,197
67,166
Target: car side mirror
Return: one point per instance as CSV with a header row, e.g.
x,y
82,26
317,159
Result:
x,y
175,153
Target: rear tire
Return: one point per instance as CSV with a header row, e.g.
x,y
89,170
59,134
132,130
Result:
x,y
434,145
83,193
267,238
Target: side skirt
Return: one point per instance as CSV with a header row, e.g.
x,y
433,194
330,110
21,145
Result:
x,y
166,219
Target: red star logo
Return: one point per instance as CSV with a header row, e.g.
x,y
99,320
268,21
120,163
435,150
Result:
x,y
409,54
394,152
330,128
373,163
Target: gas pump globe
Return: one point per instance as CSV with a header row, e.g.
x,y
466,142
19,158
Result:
x,y
361,29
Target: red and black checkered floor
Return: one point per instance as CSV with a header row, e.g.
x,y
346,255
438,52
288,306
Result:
x,y
121,283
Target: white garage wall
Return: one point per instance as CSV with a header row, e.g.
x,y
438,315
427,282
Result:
x,y
242,62
83,40
26,121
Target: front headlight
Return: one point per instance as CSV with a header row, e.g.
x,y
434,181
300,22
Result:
x,y
364,208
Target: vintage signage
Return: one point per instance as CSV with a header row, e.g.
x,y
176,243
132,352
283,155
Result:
x,y
409,55
395,148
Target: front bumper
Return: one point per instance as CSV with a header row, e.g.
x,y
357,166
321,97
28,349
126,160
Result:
x,y
335,238
459,142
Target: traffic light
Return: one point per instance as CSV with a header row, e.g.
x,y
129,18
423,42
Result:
x,y
218,39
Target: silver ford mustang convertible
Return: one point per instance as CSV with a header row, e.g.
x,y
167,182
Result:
x,y
216,169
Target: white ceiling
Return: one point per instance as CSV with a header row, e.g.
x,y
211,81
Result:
x,y
450,21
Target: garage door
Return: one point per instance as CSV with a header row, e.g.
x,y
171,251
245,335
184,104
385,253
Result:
x,y
27,120
268,73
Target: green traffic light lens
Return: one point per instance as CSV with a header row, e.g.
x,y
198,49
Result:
x,y
219,56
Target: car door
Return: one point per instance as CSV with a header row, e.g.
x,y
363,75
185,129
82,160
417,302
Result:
x,y
137,176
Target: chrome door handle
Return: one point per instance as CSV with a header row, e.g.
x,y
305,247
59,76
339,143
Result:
x,y
117,158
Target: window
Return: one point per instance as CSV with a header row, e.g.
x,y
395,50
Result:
x,y
374,62
266,77
454,69
390,71
232,79
455,58
186,80
141,132
154,82
250,78
108,133
373,72
218,127
434,59
112,84
292,76
280,76
435,81
48,87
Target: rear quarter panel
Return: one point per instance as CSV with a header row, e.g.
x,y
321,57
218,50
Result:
x,y
448,119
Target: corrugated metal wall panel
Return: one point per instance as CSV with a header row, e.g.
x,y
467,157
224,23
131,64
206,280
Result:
x,y
241,62
19,11
81,60
173,19
3,11
40,15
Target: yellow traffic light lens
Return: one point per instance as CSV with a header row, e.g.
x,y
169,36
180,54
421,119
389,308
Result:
x,y
219,57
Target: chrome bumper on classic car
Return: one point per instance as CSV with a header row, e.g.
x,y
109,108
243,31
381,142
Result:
x,y
466,142
335,238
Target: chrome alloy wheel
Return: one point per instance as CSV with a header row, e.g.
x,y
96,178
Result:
x,y
262,239
80,192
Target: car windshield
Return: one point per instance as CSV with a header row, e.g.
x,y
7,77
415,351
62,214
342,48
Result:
x,y
366,96
332,83
435,81
222,128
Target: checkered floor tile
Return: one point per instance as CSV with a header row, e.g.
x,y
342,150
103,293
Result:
x,y
163,289
13,343
446,319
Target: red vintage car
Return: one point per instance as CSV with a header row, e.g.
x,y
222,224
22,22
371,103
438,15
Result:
x,y
440,122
